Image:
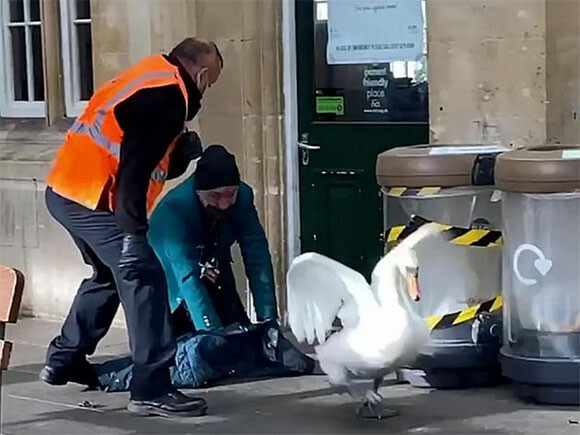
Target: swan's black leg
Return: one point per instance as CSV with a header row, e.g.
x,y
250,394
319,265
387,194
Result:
x,y
372,406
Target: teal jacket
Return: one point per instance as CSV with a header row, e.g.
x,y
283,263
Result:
x,y
176,234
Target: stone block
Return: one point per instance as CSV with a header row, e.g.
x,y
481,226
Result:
x,y
472,20
224,98
110,39
483,90
252,73
253,158
252,21
225,130
563,70
219,19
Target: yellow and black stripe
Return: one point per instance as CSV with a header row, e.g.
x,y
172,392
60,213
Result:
x,y
410,191
460,236
470,313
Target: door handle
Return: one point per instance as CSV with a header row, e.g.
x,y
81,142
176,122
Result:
x,y
307,146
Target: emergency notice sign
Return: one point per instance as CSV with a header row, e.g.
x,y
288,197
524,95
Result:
x,y
374,31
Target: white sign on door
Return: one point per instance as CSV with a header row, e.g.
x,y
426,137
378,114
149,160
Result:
x,y
374,31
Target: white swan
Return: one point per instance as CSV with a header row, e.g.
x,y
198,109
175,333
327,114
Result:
x,y
380,332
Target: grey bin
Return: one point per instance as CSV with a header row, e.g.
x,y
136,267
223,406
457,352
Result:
x,y
541,272
451,185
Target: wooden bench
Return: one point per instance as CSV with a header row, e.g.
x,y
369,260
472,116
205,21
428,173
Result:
x,y
11,288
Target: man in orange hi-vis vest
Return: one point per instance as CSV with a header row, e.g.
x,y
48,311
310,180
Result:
x,y
104,181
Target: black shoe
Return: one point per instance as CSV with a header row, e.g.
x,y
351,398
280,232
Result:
x,y
172,404
85,376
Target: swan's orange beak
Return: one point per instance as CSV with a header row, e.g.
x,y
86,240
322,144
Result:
x,y
413,287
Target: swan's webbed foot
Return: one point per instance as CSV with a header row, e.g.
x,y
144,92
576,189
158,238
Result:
x,y
375,411
373,408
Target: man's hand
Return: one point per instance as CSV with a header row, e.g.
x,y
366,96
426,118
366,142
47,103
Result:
x,y
137,256
141,273
190,145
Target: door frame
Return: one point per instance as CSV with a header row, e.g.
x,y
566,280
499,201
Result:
x,y
290,90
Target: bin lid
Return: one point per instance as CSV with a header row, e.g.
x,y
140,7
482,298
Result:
x,y
546,169
437,165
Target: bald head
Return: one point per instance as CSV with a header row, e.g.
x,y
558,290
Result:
x,y
202,60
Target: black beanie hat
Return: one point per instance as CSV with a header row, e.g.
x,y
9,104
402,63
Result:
x,y
216,168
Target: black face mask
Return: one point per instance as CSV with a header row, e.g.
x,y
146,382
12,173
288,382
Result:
x,y
216,213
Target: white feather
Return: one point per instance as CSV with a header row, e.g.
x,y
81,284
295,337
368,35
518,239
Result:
x,y
318,290
380,331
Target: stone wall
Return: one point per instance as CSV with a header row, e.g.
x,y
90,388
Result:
x,y
487,71
504,71
563,70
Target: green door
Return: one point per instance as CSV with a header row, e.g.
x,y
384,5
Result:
x,y
348,114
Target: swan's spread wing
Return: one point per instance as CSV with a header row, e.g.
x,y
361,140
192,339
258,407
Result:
x,y
317,289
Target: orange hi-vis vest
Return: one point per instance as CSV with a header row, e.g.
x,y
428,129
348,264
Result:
x,y
86,166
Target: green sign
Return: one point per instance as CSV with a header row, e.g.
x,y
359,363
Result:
x,y
332,105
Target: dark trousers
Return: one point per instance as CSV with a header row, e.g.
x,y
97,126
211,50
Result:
x,y
143,296
226,299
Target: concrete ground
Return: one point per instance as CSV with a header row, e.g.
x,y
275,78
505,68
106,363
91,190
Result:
x,y
281,406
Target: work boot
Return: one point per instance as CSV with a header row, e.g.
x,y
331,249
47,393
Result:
x,y
83,375
172,404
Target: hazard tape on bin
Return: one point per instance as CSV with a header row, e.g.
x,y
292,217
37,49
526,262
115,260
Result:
x,y
412,191
477,237
470,313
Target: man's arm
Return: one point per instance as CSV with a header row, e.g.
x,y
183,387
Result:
x,y
257,260
171,238
187,148
177,165
150,119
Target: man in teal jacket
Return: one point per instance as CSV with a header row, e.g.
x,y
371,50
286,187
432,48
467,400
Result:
x,y
192,231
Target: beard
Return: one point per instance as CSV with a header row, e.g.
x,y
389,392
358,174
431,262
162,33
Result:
x,y
216,213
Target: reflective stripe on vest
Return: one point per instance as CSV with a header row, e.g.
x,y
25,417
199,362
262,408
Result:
x,y
95,133
159,174
94,129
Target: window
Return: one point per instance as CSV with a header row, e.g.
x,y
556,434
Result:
x,y
21,65
377,93
77,54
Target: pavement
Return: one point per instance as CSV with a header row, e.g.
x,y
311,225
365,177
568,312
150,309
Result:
x,y
303,405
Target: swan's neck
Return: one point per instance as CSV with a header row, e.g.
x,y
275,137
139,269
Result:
x,y
392,289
